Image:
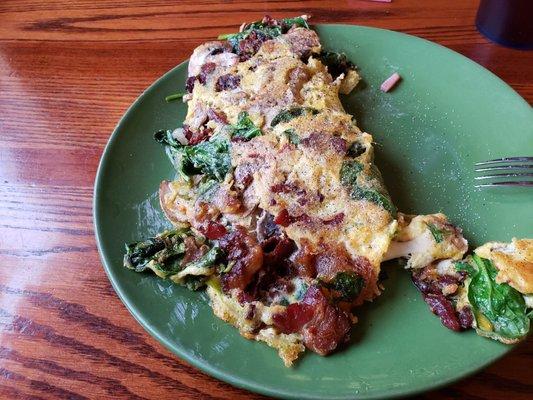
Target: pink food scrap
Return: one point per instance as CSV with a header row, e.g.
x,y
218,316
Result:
x,y
390,82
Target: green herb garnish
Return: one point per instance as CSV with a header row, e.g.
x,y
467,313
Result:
x,y
174,97
437,234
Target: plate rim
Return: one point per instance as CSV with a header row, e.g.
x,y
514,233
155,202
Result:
x,y
204,365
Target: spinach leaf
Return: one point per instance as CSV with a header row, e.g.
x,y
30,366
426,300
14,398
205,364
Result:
x,y
245,127
288,23
175,152
503,306
465,266
337,63
355,149
207,260
346,286
374,196
290,113
166,138
211,158
350,169
292,136
437,234
162,254
349,172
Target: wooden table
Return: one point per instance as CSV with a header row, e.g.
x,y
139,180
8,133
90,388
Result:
x,y
68,71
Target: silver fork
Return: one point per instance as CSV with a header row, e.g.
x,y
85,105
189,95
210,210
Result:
x,y
516,171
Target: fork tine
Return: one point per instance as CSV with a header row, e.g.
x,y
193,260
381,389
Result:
x,y
505,159
501,167
500,184
497,176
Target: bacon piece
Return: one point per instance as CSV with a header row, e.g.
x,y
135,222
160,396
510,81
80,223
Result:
x,y
302,41
326,262
213,230
189,84
329,327
192,250
284,188
217,116
428,281
435,288
390,82
207,68
251,44
268,20
191,80
242,249
283,219
195,137
325,143
466,319
324,326
227,82
294,317
335,220
330,261
304,260
443,307
277,250
266,228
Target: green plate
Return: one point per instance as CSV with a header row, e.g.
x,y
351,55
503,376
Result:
x,y
446,114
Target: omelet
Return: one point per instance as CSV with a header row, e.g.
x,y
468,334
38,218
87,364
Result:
x,y
278,206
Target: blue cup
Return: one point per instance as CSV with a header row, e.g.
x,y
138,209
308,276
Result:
x,y
507,22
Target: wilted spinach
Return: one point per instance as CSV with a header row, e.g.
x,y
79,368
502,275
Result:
x,y
503,306
292,136
349,172
465,266
245,128
374,196
350,169
207,260
211,157
287,114
162,254
337,63
269,30
346,286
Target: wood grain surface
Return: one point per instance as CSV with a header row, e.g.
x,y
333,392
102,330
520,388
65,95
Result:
x,y
68,71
